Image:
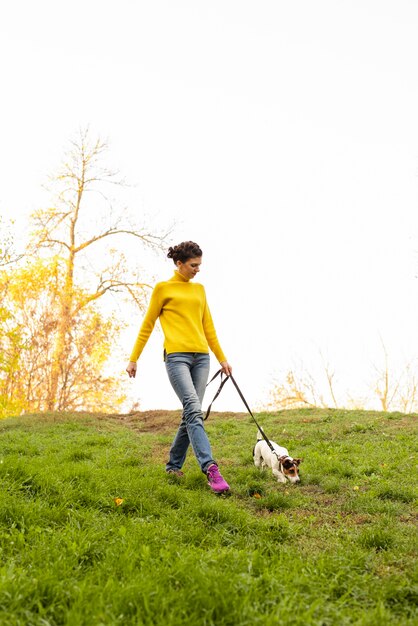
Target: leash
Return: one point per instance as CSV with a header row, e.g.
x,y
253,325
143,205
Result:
x,y
223,381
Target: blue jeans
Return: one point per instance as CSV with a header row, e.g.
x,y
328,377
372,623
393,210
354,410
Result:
x,y
188,374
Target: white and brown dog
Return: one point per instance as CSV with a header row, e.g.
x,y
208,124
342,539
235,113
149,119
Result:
x,y
283,466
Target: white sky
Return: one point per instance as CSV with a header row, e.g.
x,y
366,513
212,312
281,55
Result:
x,y
281,136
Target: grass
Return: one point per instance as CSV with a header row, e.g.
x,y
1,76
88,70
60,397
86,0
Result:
x,y
340,548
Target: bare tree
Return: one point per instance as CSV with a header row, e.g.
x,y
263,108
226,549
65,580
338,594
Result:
x,y
396,389
329,374
298,390
408,396
81,220
387,385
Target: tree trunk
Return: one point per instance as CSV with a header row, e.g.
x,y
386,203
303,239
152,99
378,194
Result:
x,y
61,348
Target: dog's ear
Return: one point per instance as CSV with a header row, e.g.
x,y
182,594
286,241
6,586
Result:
x,y
297,461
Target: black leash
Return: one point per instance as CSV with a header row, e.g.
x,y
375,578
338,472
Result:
x,y
223,381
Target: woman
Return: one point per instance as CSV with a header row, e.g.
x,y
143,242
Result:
x,y
188,334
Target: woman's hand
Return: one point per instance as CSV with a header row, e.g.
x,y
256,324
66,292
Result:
x,y
131,369
226,368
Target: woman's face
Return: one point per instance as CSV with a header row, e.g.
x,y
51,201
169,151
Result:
x,y
189,268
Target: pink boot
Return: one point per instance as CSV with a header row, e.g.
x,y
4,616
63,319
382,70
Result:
x,y
215,480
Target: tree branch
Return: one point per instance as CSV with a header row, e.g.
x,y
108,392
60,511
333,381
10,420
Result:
x,y
147,238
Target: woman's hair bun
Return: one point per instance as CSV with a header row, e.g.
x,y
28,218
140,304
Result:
x,y
184,251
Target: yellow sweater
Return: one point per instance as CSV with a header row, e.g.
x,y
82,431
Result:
x,y
185,319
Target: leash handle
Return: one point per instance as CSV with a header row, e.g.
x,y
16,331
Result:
x,y
263,434
223,381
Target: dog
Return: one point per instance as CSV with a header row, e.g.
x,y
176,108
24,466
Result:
x,y
283,466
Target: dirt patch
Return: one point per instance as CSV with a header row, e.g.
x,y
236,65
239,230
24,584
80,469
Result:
x,y
160,421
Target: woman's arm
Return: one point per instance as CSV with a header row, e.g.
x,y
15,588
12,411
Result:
x,y
145,330
212,339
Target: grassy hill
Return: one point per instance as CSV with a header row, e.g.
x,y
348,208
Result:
x,y
93,532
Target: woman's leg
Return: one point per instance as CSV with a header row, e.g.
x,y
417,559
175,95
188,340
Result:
x,y
188,373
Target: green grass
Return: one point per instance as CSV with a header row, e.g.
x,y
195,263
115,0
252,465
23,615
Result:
x,y
339,548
